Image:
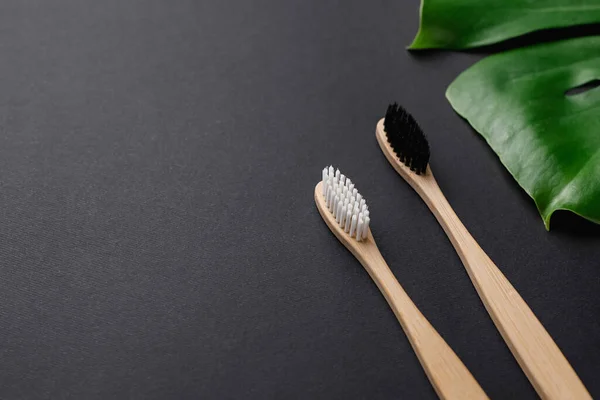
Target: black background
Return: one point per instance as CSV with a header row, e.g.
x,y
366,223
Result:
x,y
158,234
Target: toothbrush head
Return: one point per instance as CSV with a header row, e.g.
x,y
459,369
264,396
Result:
x,y
406,138
347,206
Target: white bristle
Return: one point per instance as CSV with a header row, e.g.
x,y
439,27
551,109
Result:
x,y
347,222
338,214
359,228
353,226
347,206
331,201
366,227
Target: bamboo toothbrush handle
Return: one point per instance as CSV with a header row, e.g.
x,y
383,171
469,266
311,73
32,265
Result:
x,y
446,372
540,358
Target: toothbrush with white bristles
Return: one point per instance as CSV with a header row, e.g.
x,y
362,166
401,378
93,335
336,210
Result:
x,y
347,205
346,213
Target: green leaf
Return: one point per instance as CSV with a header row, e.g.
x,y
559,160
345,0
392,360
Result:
x,y
550,142
459,24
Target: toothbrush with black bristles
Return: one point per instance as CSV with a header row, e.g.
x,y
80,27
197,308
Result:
x,y
406,148
346,213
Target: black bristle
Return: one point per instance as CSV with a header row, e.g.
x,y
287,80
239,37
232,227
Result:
x,y
406,138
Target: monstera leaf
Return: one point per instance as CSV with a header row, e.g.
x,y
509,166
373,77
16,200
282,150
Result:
x,y
548,140
458,24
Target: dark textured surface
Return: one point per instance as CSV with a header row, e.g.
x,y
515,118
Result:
x,y
158,235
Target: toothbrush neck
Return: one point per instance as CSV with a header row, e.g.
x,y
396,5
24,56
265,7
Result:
x,y
460,237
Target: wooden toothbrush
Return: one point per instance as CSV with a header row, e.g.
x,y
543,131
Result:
x,y
347,215
406,148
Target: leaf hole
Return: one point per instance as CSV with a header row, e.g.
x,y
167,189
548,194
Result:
x,y
586,87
